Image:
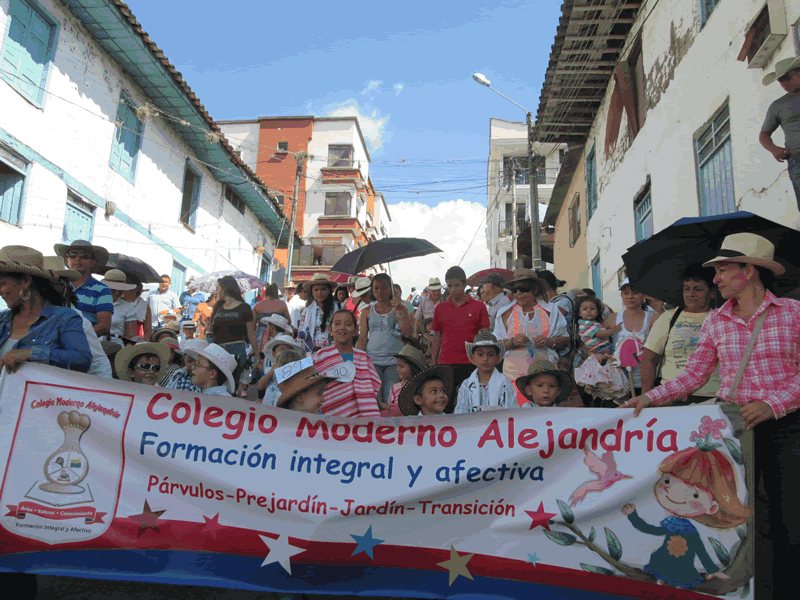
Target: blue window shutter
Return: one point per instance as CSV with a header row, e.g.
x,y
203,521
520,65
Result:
x,y
77,224
10,196
126,142
14,48
116,145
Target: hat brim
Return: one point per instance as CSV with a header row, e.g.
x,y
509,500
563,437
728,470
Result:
x,y
120,287
287,327
771,78
272,343
535,280
126,355
563,378
773,266
406,401
230,385
302,386
358,294
471,347
11,266
411,359
159,333
100,253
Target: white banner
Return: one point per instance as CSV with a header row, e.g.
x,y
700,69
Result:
x,y
588,499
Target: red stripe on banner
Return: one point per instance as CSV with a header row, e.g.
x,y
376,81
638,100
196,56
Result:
x,y
126,534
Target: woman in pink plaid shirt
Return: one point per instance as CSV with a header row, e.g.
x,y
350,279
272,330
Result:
x,y
768,394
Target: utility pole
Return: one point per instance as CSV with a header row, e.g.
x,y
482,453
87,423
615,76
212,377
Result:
x,y
300,158
514,212
536,240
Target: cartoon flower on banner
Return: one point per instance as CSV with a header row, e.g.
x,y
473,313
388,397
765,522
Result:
x,y
708,425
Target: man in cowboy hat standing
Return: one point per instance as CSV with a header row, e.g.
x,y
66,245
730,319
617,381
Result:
x,y
94,297
428,303
767,397
785,112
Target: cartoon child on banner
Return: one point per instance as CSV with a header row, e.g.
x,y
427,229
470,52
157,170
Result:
x,y
696,484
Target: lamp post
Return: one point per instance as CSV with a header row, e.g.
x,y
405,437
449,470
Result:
x,y
533,199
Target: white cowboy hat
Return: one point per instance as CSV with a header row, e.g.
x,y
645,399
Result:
x,y
486,340
363,285
782,67
21,259
188,323
434,284
100,253
282,339
279,321
748,248
192,345
125,356
115,280
221,360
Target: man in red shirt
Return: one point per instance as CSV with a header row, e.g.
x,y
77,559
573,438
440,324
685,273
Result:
x,y
455,322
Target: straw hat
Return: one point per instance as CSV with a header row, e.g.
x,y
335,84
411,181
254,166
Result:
x,y
22,259
115,280
521,275
320,279
222,360
434,284
305,378
161,332
413,355
363,285
100,253
545,367
406,401
279,321
748,248
782,67
282,339
485,340
126,355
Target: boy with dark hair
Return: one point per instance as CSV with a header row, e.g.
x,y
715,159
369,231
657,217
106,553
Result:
x,y
455,322
785,112
427,393
486,388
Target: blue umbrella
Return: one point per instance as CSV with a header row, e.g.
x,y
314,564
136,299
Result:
x,y
655,266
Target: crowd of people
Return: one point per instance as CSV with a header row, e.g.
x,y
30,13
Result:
x,y
359,349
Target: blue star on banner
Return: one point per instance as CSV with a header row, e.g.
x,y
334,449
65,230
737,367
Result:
x,y
533,559
365,543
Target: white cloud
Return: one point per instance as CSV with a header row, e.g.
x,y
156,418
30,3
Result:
x,y
449,225
398,87
373,126
372,85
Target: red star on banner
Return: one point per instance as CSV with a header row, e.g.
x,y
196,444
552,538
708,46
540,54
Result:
x,y
148,519
98,517
540,517
212,526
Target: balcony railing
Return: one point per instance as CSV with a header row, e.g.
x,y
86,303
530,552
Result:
x,y
544,176
506,227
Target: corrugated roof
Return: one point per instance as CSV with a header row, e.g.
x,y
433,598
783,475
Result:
x,y
116,29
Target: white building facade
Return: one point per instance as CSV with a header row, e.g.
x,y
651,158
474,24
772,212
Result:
x,y
112,146
676,132
508,186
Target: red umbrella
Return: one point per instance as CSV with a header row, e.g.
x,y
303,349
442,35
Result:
x,y
476,278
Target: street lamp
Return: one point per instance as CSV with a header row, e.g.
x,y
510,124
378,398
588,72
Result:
x,y
533,206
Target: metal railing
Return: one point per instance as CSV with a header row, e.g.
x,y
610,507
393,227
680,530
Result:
x,y
507,226
544,176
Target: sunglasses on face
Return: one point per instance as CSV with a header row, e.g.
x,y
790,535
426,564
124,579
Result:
x,y
83,255
147,367
521,290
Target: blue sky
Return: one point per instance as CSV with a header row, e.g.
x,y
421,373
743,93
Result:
x,y
405,69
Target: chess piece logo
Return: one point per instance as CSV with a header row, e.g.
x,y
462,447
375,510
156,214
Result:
x,y
68,466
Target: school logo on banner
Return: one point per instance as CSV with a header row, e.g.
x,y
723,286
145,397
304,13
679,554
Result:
x,y
74,438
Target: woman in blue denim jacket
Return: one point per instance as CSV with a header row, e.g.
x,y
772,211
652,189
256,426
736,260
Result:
x,y
36,327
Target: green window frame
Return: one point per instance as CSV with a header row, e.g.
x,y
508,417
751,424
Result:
x,y
127,139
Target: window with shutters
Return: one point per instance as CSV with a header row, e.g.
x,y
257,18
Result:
x,y
13,171
191,196
597,282
78,220
643,215
28,49
127,139
591,184
234,199
575,220
714,156
178,280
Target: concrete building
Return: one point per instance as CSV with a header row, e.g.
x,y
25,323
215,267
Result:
x,y
508,185
102,139
338,208
672,122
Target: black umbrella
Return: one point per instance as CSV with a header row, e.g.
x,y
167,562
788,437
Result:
x,y
655,266
382,251
130,265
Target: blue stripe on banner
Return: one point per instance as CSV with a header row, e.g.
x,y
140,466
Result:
x,y
223,570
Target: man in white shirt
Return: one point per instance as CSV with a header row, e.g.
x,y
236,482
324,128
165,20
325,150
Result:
x,y
163,301
494,296
297,304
